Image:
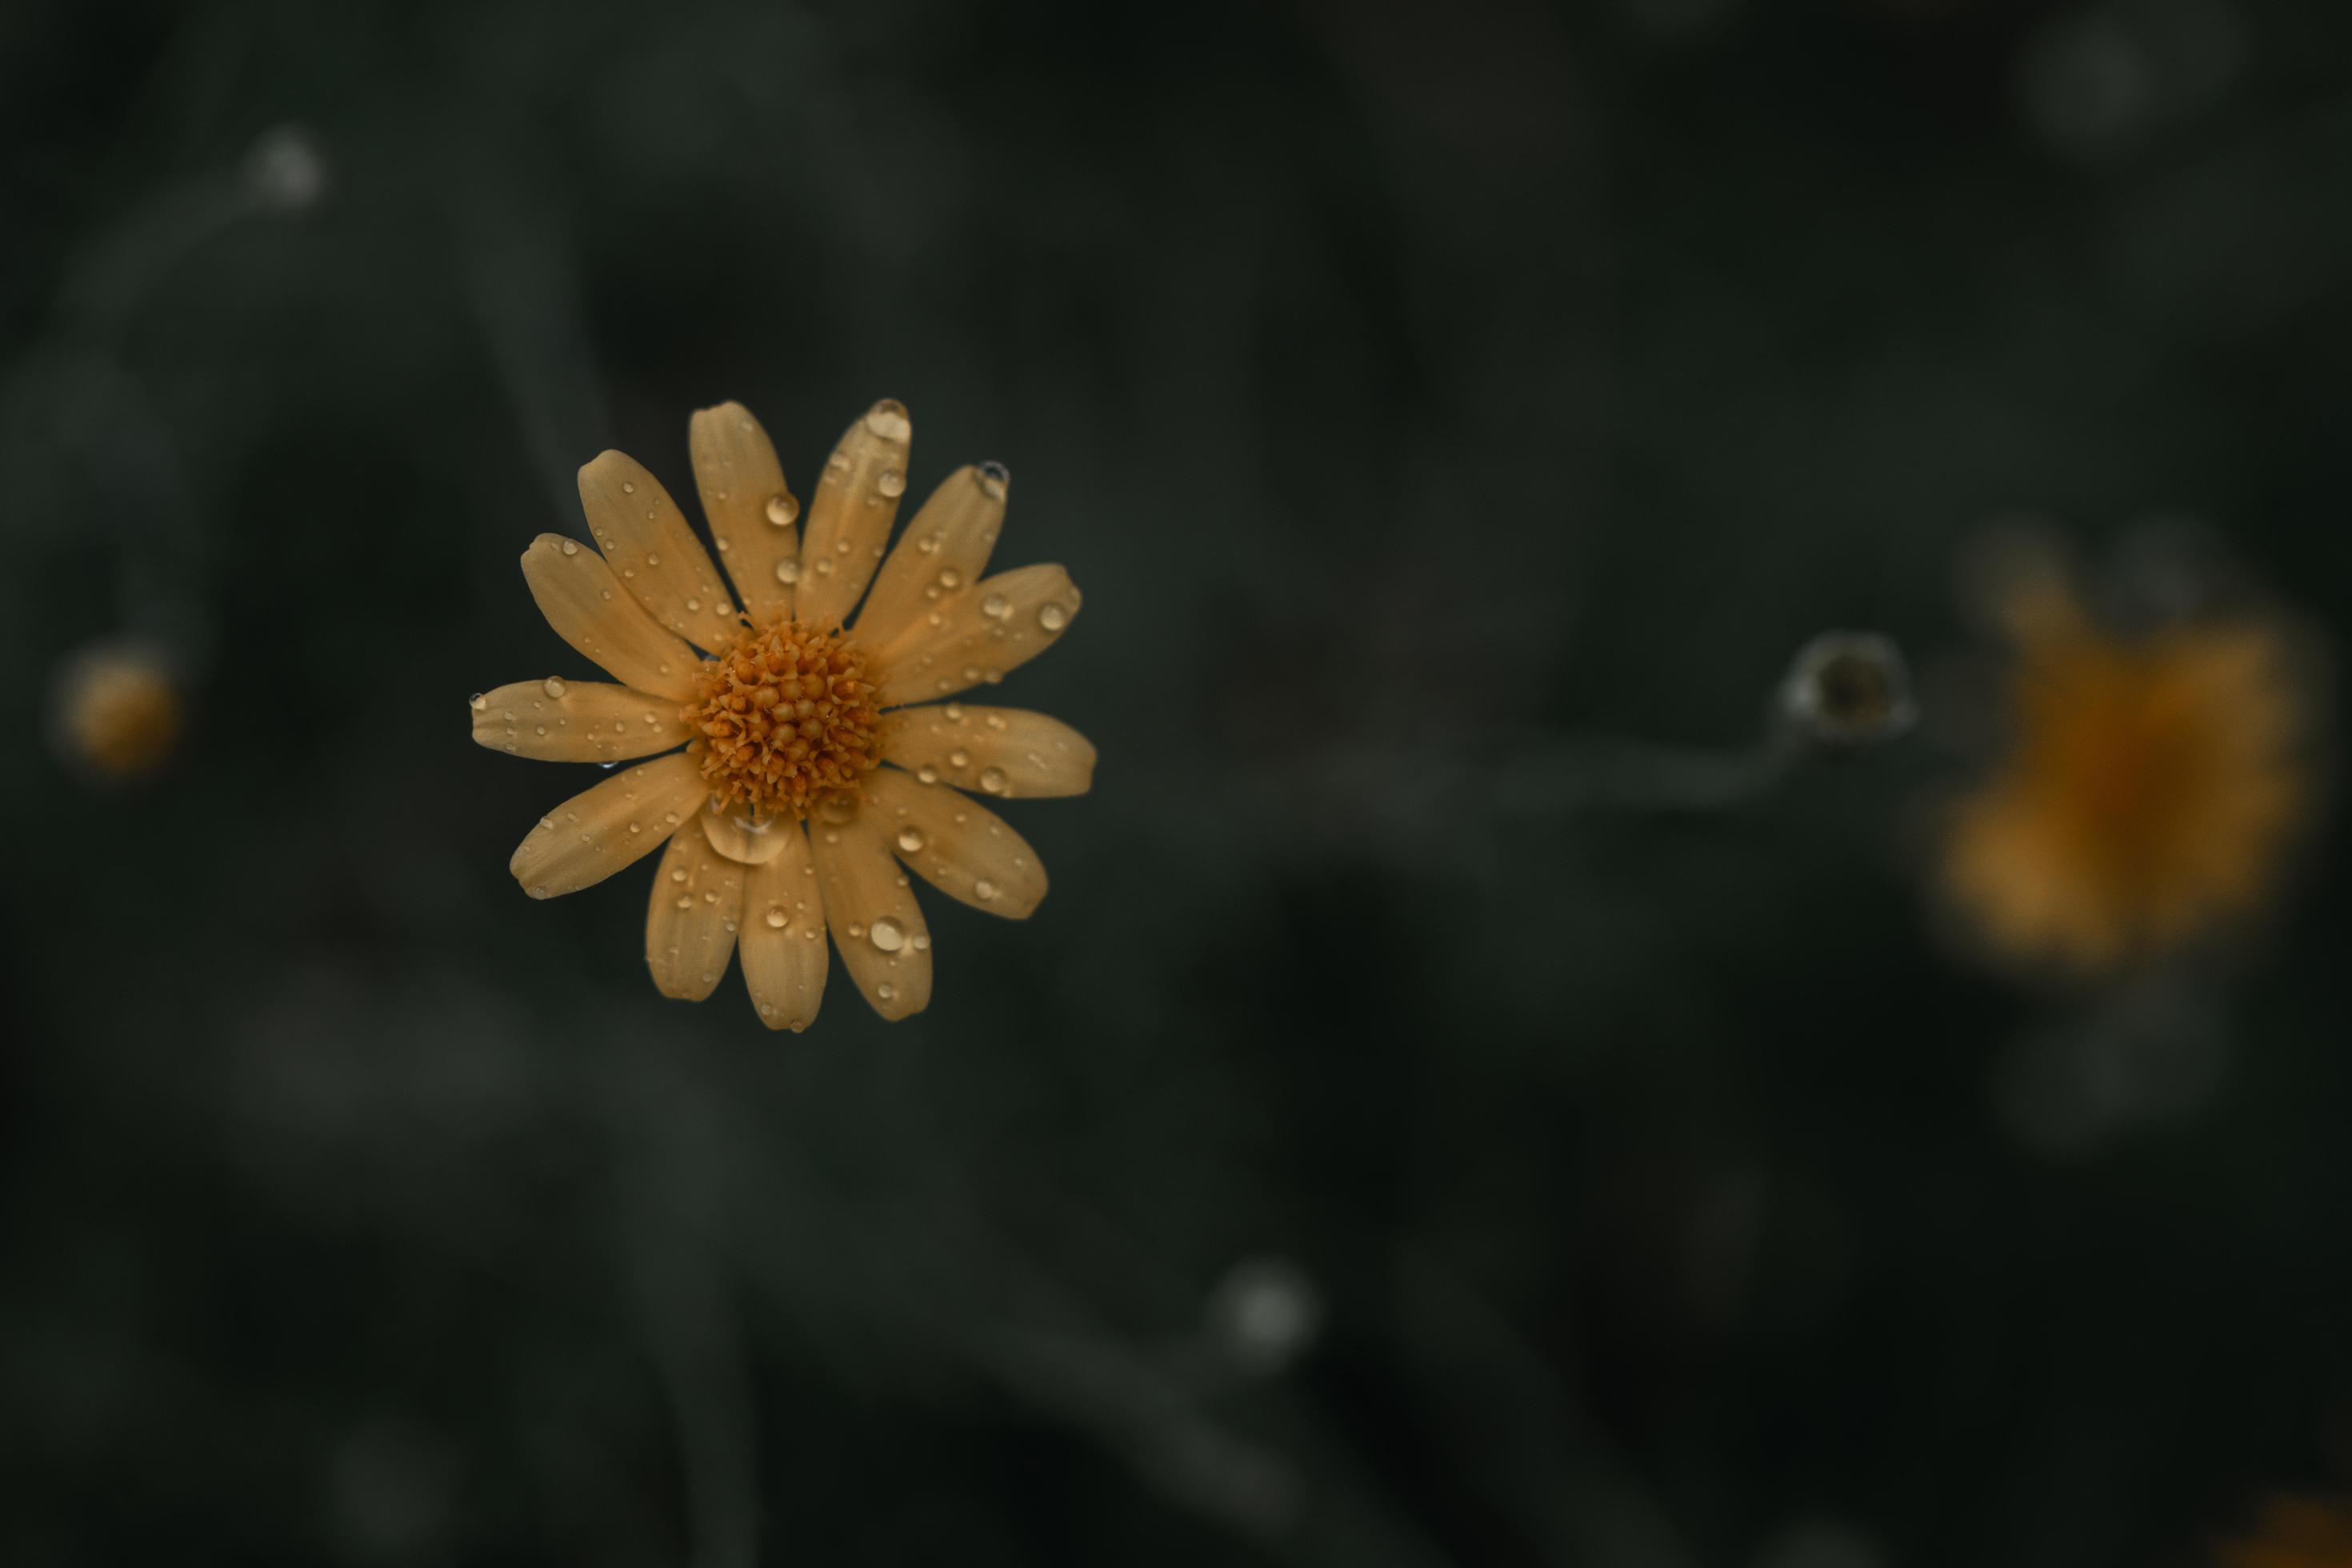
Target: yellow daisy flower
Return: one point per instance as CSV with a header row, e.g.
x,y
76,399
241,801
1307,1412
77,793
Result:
x,y
2152,785
2294,1533
797,760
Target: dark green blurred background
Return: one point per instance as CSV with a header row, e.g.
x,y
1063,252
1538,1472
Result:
x,y
1415,390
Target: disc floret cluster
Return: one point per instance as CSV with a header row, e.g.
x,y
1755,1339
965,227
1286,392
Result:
x,y
785,720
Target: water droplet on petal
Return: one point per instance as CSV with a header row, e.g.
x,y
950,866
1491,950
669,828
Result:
x,y
1053,617
553,686
891,482
992,781
996,607
777,919
983,890
479,701
910,839
887,935
783,509
570,548
628,487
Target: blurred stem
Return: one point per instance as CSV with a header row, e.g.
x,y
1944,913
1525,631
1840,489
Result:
x,y
696,1343
101,296
1582,772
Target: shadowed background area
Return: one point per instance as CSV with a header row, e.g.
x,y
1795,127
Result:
x,y
1422,1126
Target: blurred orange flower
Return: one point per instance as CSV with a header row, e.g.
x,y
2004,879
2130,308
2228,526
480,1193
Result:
x,y
117,710
2152,783
2293,1533
808,771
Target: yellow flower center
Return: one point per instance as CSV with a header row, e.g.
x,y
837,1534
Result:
x,y
787,720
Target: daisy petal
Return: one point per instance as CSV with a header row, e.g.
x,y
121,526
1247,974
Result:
x,y
783,936
646,538
560,721
979,634
944,548
589,609
1002,752
871,911
690,924
732,833
850,515
617,823
956,843
744,498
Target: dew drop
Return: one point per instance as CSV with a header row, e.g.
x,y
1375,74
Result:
x,y
651,559
993,477
886,991
479,701
891,482
788,571
996,607
888,420
777,919
782,509
928,773
950,577
991,780
910,840
1053,617
628,487
887,935
553,686
570,548
983,890
959,758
